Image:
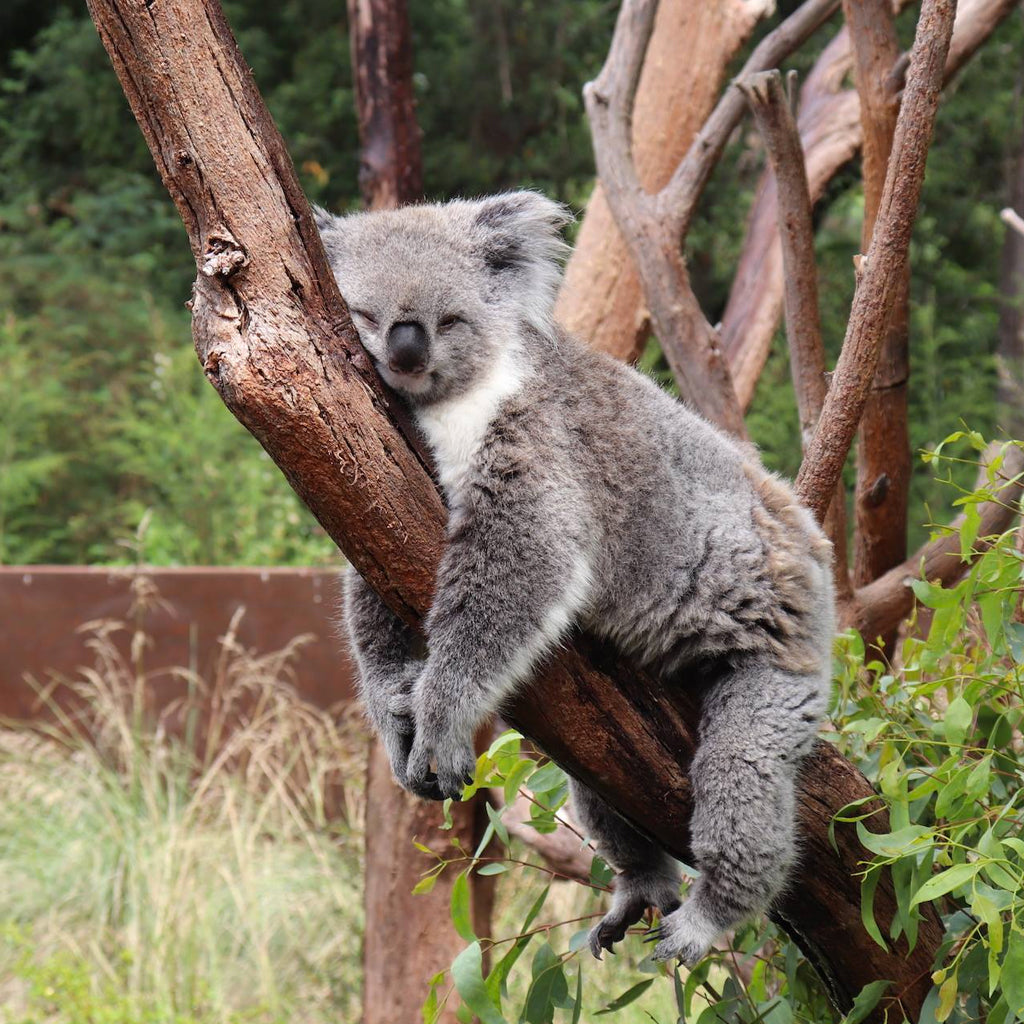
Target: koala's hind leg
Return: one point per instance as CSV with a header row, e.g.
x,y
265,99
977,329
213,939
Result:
x,y
384,649
756,724
647,876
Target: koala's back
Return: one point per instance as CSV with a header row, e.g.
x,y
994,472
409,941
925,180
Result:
x,y
696,551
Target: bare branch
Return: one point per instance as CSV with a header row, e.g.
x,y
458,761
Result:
x,y
601,299
880,278
772,110
1013,219
831,133
679,198
688,340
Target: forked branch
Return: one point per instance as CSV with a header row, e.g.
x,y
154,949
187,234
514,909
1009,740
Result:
x,y
654,226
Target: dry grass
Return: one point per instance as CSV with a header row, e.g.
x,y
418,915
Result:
x,y
203,865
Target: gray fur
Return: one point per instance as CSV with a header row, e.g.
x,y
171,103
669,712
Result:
x,y
582,496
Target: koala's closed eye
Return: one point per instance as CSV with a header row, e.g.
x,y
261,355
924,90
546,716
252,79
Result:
x,y
367,318
445,324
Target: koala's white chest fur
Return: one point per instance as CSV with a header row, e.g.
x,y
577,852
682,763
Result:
x,y
455,428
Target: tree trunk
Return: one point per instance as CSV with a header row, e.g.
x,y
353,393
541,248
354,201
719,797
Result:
x,y
275,339
883,451
601,299
407,939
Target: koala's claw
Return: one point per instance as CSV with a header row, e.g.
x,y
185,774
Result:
x,y
456,769
684,935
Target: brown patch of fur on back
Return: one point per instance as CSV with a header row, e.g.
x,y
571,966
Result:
x,y
790,535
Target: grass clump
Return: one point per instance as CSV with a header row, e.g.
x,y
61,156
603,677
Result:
x,y
197,866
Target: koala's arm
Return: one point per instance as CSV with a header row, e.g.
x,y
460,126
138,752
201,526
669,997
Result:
x,y
512,579
384,648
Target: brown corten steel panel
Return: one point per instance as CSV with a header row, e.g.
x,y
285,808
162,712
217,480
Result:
x,y
43,607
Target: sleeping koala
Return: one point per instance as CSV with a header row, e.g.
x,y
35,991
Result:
x,y
582,497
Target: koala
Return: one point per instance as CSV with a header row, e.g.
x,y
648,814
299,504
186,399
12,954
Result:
x,y
583,497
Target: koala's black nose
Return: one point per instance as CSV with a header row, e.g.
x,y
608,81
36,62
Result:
x,y
408,345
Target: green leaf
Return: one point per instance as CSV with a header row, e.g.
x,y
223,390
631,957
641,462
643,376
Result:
x,y
909,839
424,885
539,1007
865,1001
627,997
969,530
947,998
431,1010
577,1010
461,918
958,720
1012,974
945,881
867,906
516,777
547,779
492,869
467,973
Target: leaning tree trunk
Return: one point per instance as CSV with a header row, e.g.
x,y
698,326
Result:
x,y
408,939
275,340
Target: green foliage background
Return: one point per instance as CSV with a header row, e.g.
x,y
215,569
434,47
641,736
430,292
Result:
x,y
103,411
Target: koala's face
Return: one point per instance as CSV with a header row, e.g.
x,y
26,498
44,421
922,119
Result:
x,y
436,291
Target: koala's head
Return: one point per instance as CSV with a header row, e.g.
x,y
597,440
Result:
x,y
438,291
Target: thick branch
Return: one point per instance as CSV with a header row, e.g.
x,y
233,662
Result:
x,y
275,340
774,116
883,452
882,268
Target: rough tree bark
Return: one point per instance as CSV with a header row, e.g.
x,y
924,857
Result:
x,y
882,267
600,299
275,340
883,451
412,937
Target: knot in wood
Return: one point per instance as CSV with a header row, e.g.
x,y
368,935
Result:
x,y
223,256
878,491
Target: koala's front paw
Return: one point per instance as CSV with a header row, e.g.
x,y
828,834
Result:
x,y
440,766
396,733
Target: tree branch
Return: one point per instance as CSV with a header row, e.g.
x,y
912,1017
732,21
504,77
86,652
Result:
x,y
883,266
773,113
275,340
831,134
882,493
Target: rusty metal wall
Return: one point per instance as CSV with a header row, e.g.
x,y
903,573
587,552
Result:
x,y
43,607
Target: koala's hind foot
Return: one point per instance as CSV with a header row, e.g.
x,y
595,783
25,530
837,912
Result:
x,y
648,876
686,934
634,893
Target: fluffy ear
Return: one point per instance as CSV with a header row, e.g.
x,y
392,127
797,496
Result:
x,y
519,230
